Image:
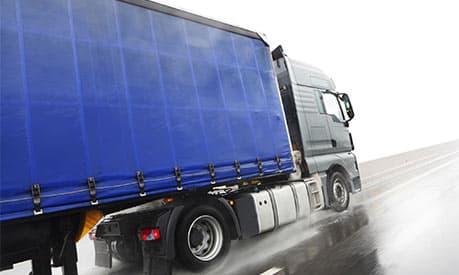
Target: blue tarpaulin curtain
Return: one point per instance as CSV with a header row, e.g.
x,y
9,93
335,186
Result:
x,y
104,89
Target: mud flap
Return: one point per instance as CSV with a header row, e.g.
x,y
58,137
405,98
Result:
x,y
103,254
156,266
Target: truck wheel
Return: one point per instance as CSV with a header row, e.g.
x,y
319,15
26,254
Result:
x,y
202,237
338,192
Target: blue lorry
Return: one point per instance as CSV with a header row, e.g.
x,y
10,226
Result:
x,y
183,131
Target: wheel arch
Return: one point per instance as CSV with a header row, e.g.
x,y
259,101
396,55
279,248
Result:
x,y
220,204
224,208
204,207
338,168
335,167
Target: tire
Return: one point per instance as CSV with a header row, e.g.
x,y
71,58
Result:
x,y
338,191
202,238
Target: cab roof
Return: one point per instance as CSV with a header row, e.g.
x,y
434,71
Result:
x,y
307,75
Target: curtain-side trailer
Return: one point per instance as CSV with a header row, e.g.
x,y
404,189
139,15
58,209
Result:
x,y
181,122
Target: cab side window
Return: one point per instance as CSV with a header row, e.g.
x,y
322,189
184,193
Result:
x,y
331,105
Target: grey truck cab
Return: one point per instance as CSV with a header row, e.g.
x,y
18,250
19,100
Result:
x,y
318,118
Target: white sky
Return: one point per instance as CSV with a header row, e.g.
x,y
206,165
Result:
x,y
398,60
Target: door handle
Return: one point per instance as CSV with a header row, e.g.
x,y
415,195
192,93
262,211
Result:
x,y
333,142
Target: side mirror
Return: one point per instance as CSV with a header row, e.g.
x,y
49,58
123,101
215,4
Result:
x,y
347,105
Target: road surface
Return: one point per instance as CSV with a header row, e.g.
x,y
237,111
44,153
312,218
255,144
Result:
x,y
405,221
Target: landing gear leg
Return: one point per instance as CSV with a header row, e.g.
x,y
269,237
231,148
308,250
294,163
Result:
x,y
41,262
69,259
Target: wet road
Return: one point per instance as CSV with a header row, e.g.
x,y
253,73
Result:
x,y
406,221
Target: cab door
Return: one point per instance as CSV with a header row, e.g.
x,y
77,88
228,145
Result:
x,y
339,134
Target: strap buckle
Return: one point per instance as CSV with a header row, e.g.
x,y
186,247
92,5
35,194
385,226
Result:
x,y
178,178
260,167
140,183
212,173
35,188
279,164
92,190
237,166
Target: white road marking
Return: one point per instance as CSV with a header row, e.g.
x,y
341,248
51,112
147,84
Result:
x,y
410,181
272,271
420,160
376,175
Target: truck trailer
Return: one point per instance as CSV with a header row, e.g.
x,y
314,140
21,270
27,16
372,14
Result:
x,y
183,132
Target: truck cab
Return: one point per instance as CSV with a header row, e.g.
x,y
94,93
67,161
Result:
x,y
318,119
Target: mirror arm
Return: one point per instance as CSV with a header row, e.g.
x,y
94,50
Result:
x,y
344,95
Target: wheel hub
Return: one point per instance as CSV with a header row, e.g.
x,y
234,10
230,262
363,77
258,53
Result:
x,y
205,238
196,237
339,192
